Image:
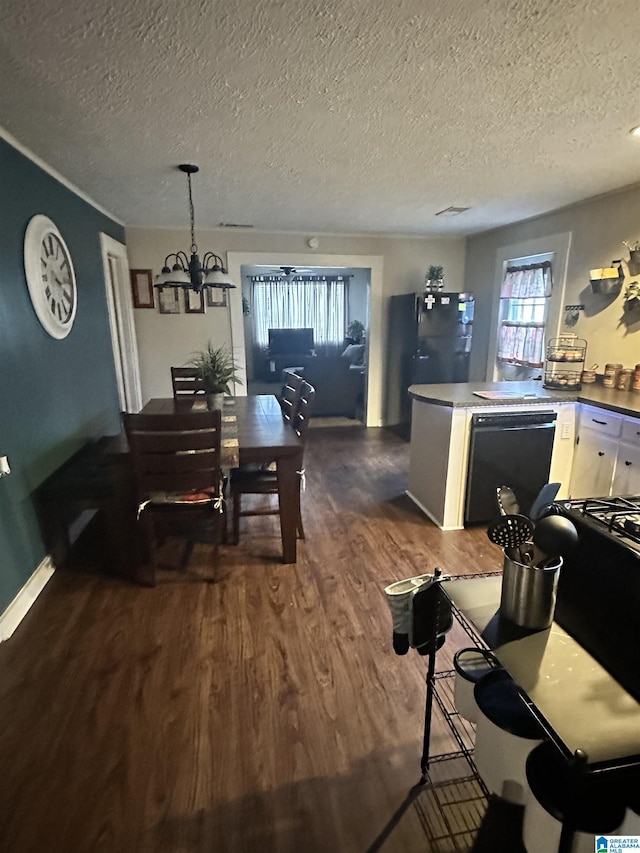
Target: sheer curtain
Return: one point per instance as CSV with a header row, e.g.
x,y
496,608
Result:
x,y
304,302
524,304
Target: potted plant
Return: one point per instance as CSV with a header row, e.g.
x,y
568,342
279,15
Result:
x,y
632,297
355,332
434,279
634,257
217,368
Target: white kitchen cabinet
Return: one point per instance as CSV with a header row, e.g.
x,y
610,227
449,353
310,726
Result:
x,y
593,464
607,455
626,480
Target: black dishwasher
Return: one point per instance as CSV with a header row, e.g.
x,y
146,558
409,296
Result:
x,y
507,450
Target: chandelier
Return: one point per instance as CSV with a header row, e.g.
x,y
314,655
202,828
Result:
x,y
192,272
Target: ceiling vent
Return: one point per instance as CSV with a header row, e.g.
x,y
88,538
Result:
x,y
452,211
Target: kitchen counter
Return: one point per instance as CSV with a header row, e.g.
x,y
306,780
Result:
x,y
441,426
580,703
460,395
440,440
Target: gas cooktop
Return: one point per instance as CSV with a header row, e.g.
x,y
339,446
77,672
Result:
x,y
618,517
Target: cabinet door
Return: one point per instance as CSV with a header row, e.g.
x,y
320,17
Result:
x,y
626,480
593,465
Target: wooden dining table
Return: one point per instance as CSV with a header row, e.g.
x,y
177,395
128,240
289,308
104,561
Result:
x,y
253,431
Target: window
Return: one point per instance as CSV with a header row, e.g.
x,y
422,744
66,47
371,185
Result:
x,y
315,302
524,305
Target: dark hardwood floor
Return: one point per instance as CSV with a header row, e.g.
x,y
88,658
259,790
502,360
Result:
x,y
265,711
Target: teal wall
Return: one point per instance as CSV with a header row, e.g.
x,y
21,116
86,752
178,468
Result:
x,y
54,395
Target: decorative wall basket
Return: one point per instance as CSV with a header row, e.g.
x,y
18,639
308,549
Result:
x,y
606,281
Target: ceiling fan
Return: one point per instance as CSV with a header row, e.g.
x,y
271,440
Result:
x,y
289,272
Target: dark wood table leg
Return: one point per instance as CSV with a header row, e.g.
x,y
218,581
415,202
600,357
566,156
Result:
x,y
288,494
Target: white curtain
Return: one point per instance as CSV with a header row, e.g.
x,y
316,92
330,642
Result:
x,y
304,302
525,292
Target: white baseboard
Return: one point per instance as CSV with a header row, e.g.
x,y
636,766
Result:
x,y
19,607
429,514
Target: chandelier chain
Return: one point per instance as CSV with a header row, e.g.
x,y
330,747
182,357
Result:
x,y
194,248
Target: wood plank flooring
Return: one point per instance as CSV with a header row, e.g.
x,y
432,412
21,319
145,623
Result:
x,y
264,711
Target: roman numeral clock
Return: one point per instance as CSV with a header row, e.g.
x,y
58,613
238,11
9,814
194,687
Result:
x,y
51,278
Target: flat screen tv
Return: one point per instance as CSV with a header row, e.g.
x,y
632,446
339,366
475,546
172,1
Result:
x,y
290,341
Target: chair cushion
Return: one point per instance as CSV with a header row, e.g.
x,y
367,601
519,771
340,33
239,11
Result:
x,y
354,353
176,498
168,499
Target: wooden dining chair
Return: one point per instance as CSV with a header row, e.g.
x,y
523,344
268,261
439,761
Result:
x,y
176,467
186,381
265,481
290,393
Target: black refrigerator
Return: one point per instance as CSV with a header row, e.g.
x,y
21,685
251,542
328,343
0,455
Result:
x,y
429,342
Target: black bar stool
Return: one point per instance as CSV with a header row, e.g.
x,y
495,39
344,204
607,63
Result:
x,y
566,807
506,732
471,664
631,823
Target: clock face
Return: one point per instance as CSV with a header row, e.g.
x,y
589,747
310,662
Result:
x,y
50,276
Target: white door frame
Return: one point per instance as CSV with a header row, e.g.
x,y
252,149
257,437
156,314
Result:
x,y
123,333
235,260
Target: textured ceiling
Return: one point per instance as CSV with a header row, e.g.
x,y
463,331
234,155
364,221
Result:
x,y
327,115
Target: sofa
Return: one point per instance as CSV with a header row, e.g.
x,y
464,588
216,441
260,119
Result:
x,y
339,383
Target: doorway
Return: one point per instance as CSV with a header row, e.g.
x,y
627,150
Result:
x,y
123,334
372,267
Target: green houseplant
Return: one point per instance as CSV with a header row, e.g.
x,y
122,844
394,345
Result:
x,y
217,369
632,297
355,332
434,279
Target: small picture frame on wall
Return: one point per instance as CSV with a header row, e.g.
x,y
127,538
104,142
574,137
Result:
x,y
168,300
193,302
142,289
216,297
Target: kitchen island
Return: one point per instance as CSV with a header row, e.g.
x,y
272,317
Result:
x,y
441,429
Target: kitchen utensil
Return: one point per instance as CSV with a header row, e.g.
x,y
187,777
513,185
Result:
x,y
553,536
510,531
545,497
507,501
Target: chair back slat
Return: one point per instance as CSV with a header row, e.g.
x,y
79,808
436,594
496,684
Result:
x,y
186,381
290,394
179,463
179,441
304,410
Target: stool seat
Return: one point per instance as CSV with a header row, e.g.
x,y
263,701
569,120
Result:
x,y
500,700
506,732
560,793
470,664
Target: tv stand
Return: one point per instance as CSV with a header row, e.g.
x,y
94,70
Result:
x,y
275,364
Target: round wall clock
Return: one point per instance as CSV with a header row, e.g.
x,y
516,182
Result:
x,y
51,278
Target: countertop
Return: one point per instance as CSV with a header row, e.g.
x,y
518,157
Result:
x,y
581,702
460,395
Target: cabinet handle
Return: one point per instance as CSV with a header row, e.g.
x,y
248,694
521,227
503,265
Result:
x,y
602,423
601,453
628,463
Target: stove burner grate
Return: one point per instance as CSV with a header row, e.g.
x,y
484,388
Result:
x,y
620,515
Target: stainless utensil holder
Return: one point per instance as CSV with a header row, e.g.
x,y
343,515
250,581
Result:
x,y
528,592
